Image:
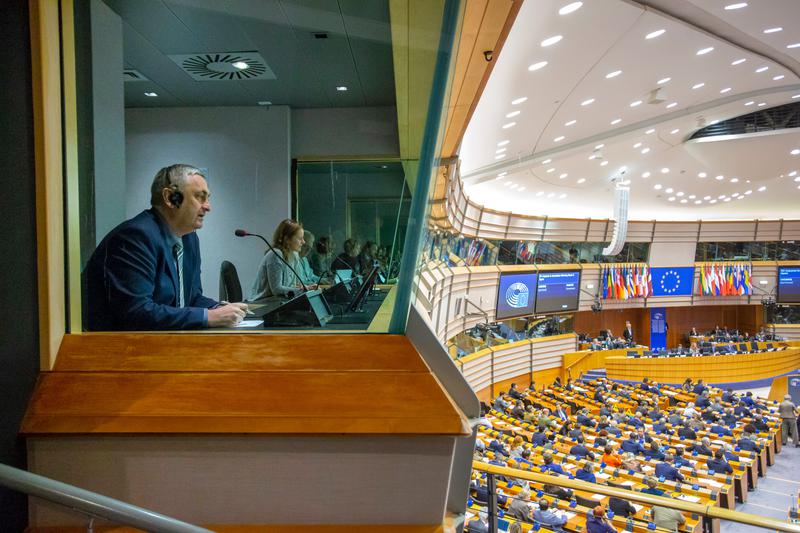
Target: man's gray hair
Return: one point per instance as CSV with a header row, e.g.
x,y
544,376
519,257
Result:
x,y
172,176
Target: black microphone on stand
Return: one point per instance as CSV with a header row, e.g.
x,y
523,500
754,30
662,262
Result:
x,y
245,233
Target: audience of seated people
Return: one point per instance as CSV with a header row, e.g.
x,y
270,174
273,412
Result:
x,y
623,429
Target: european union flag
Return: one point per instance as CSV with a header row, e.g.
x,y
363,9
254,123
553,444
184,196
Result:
x,y
672,281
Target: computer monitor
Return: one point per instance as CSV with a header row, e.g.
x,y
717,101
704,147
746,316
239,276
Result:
x,y
343,274
558,291
516,295
363,290
788,285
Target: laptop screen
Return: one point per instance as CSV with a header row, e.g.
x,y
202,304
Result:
x,y
344,275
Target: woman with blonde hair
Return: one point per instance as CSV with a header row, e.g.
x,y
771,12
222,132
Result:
x,y
274,277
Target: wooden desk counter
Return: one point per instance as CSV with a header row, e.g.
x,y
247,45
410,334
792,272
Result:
x,y
711,368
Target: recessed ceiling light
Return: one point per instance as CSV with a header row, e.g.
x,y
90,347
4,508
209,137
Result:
x,y
241,65
500,150
654,34
726,200
719,178
749,103
552,40
550,195
761,104
671,198
793,45
559,139
725,90
657,186
759,70
704,51
636,103
569,8
735,195
796,151
616,121
671,105
701,174
501,156
537,66
676,130
521,189
151,94
762,188
503,143
698,202
669,190
587,102
665,170
341,88
540,193
637,145
582,180
562,176
645,150
509,125
646,175
793,173
706,198
679,193
562,195
662,81
738,61
604,163
651,130
692,197
513,114
551,170
734,180
698,85
570,123
738,5
613,74
773,30
599,146
795,96
722,196
518,101
778,77
547,161
712,202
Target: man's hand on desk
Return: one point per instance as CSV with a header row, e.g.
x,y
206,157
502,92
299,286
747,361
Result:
x,y
312,286
227,315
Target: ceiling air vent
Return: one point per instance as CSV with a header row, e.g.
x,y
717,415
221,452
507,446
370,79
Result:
x,y
224,66
130,74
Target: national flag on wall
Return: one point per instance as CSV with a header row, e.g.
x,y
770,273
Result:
x,y
726,279
623,282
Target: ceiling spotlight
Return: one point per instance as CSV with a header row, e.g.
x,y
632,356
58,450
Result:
x,y
587,102
734,180
773,30
722,196
759,70
501,156
701,174
599,146
793,45
671,198
662,81
676,130
547,161
519,100
646,175
509,125
738,61
616,121
698,202
726,200
551,40
551,170
645,150
735,195
749,103
712,201
704,51
569,8
679,193
582,180
151,94
671,105
637,145
613,74
706,198
241,65
636,103
540,193
692,197
651,130
537,66
657,186
559,139
719,178
521,189
725,90
341,88
550,195
604,163
778,77
562,195
739,5
513,114
503,143
762,188
562,176
761,104
698,85
665,170
500,150
654,34
669,190
796,151
570,123
684,201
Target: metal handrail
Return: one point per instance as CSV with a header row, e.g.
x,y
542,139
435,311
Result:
x,y
91,503
709,511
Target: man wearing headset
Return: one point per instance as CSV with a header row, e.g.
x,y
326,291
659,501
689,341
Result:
x,y
145,274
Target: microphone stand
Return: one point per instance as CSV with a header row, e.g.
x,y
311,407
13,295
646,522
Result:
x,y
279,254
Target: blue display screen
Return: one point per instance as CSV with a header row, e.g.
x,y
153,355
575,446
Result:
x,y
788,285
558,291
516,295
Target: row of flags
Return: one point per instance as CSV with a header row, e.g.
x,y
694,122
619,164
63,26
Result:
x,y
623,282
728,279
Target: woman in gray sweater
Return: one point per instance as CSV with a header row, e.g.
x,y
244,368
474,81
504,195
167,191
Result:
x,y
274,278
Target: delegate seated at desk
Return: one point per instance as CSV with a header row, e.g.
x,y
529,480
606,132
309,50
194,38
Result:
x,y
274,277
145,274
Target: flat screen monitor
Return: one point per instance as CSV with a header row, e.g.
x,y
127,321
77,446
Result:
x,y
558,291
516,295
363,290
788,285
344,275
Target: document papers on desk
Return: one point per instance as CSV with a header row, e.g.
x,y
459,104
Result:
x,y
687,498
249,323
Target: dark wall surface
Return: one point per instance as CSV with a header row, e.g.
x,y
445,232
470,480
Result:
x,y
19,324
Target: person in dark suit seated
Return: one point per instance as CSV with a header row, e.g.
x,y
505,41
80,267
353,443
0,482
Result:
x,y
596,522
580,450
561,414
654,451
742,411
559,492
145,274
652,486
667,471
718,463
584,419
729,417
515,393
548,518
550,466
586,473
520,506
699,387
703,447
479,524
702,401
538,437
760,424
620,507
518,411
498,448
685,432
601,440
719,429
680,460
524,458
660,427
748,400
632,444
747,443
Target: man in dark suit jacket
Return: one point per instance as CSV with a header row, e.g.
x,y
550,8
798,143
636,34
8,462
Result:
x,y
134,277
627,333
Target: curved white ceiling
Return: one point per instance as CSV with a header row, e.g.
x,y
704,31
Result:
x,y
579,101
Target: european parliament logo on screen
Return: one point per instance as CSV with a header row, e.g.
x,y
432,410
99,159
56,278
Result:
x,y
672,281
516,295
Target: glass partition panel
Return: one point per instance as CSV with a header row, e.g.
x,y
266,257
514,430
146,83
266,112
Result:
x,y
748,251
298,124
